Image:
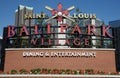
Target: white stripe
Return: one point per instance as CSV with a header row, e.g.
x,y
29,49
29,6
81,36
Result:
x,y
51,75
59,48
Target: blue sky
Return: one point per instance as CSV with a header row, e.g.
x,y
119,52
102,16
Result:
x,y
106,10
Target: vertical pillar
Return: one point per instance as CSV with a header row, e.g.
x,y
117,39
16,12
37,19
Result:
x,y
93,37
61,37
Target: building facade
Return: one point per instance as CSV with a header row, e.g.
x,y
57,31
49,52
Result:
x,y
20,15
116,34
1,54
60,43
115,23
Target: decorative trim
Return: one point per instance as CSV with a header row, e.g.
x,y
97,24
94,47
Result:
x,y
60,49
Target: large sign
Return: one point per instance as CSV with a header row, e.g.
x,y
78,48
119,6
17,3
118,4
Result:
x,y
63,34
24,31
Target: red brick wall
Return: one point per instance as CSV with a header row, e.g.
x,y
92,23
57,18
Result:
x,y
104,60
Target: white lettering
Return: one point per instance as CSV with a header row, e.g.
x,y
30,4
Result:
x,y
28,54
59,54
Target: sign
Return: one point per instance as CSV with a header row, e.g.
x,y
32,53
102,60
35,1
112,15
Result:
x,y
76,41
60,13
59,54
61,35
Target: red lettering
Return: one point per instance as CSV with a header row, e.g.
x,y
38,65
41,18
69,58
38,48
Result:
x,y
105,32
86,41
48,29
76,41
91,30
34,41
49,41
23,30
63,26
67,42
36,30
76,28
42,41
11,31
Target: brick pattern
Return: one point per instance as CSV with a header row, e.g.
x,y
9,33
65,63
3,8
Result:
x,y
104,60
